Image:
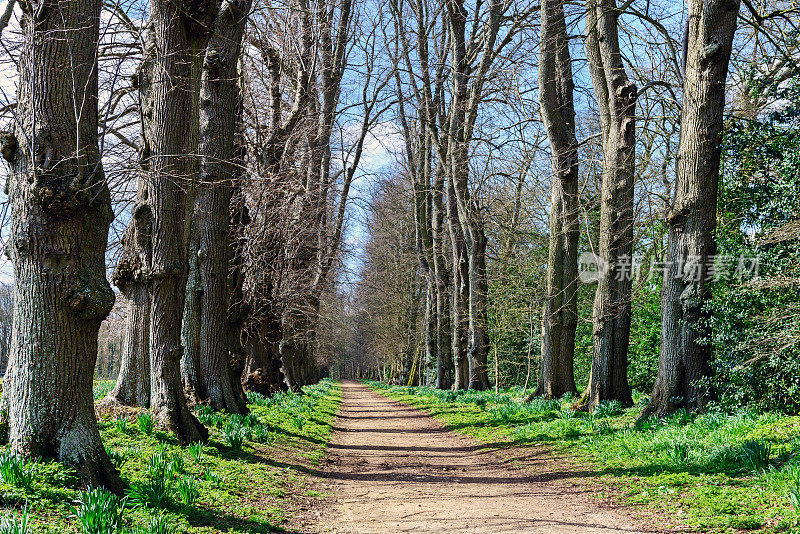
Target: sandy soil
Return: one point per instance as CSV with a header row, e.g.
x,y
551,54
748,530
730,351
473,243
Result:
x,y
391,468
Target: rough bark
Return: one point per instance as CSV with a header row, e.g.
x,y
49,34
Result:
x,y
262,371
616,100
560,314
444,355
460,294
168,174
216,150
683,369
132,273
60,216
132,387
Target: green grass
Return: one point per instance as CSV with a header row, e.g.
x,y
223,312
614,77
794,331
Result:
x,y
716,472
197,490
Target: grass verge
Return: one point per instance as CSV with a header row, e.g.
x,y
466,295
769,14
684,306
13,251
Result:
x,y
246,479
716,472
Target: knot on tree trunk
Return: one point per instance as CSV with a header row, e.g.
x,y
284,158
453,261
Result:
x,y
91,297
8,146
199,16
68,187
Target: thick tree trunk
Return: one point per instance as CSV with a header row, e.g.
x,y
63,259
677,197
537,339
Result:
x,y
216,149
60,215
560,314
683,369
169,141
616,98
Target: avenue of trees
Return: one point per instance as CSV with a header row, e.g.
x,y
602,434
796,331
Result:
x,y
185,186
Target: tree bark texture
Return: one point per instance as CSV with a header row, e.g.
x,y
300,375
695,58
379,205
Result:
x,y
616,99
560,314
216,150
683,369
60,216
170,96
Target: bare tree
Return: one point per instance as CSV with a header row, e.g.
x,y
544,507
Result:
x,y
560,315
60,216
616,100
683,368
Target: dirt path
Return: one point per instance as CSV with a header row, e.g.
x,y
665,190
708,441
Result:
x,y
391,468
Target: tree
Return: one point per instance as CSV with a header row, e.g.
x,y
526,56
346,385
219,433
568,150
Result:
x,y
560,315
616,100
60,216
167,166
216,148
683,369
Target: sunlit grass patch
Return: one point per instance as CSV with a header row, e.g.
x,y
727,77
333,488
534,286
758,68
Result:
x,y
720,472
197,489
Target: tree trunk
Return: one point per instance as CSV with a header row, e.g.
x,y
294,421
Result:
x,y
263,372
216,149
169,164
616,98
191,368
60,216
132,387
460,293
560,314
478,310
444,355
683,369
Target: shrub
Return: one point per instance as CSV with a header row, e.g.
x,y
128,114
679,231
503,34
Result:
x,y
14,471
98,511
187,489
146,423
13,523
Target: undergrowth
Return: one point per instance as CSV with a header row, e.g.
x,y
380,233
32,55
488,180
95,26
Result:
x,y
717,472
246,484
